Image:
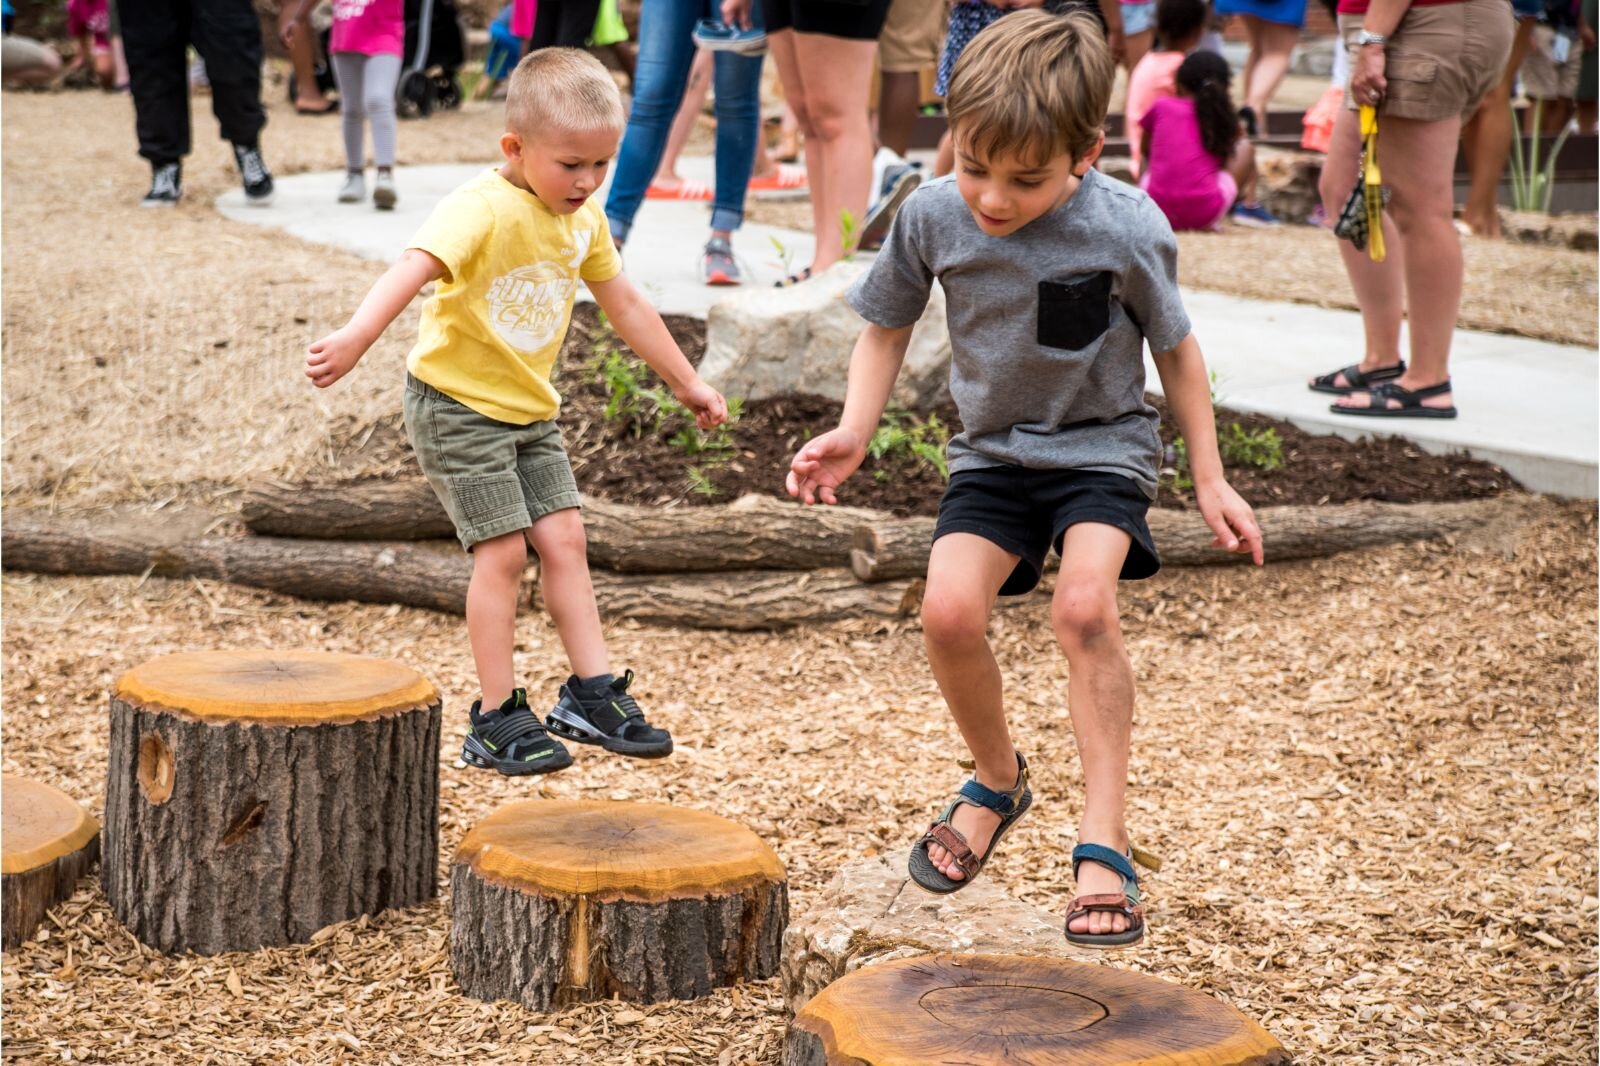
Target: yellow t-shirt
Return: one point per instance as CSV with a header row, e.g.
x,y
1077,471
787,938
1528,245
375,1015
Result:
x,y
492,329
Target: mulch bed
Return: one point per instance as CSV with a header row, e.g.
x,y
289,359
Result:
x,y
634,463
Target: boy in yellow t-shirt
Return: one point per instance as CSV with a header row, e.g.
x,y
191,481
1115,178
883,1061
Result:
x,y
508,250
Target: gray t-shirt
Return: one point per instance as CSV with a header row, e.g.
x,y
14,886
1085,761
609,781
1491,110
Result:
x,y
1047,325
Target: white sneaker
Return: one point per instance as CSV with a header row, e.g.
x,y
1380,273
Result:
x,y
355,188
383,194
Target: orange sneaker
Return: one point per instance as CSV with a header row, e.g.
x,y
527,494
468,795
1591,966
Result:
x,y
684,190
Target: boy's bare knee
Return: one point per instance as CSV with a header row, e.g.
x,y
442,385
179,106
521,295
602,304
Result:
x,y
953,622
504,555
829,125
1084,613
559,539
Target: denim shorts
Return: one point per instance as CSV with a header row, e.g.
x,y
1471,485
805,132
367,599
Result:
x,y
1027,512
492,477
1136,18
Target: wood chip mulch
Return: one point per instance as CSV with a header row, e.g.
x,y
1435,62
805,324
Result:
x,y
1372,778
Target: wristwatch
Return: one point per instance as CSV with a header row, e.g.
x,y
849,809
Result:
x,y
1364,38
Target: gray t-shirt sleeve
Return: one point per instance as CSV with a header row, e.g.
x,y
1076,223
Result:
x,y
1150,283
894,292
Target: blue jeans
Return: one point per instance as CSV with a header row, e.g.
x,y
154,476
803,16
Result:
x,y
666,51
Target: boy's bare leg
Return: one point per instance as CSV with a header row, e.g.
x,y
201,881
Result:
x,y
492,613
1100,697
965,573
568,593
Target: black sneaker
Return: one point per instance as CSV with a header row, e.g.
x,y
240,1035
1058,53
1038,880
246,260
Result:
x,y
511,740
253,171
1252,127
606,715
166,186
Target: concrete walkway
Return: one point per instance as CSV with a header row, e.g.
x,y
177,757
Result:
x,y
1527,405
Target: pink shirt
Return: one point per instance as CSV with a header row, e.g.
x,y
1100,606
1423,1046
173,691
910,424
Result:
x,y
1151,80
370,27
1182,175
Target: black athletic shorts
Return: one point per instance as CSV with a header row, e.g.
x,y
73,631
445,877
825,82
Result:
x,y
858,20
1026,512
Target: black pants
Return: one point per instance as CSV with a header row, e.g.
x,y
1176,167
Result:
x,y
563,23
226,33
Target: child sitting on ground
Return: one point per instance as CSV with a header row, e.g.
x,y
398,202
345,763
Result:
x,y
1200,166
508,249
505,51
89,23
1055,276
1179,26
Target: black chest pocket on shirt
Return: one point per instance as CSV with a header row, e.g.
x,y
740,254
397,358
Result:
x,y
1074,314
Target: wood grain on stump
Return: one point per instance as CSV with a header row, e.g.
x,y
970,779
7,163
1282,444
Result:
x,y
49,842
1012,1010
555,902
254,797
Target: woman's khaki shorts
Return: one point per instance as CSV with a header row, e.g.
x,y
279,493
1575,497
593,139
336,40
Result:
x,y
492,477
1442,59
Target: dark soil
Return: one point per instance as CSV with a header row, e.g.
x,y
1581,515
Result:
x,y
634,461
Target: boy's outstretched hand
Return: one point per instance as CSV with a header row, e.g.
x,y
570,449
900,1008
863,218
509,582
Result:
x,y
822,465
709,408
332,357
1231,519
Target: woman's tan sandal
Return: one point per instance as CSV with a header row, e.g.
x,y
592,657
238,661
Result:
x,y
1008,805
1126,903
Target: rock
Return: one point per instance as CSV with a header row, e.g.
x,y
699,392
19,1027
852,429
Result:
x,y
872,912
762,343
1288,182
1576,231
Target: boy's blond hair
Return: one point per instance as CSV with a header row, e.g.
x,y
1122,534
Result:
x,y
562,89
1032,86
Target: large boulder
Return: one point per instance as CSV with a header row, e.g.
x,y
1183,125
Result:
x,y
872,912
762,343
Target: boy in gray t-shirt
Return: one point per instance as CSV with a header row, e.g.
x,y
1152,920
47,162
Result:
x,y
1054,277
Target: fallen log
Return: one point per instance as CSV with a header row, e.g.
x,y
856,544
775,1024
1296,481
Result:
x,y
754,599
891,548
359,510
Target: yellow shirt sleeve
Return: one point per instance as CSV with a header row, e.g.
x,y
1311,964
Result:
x,y
459,226
602,263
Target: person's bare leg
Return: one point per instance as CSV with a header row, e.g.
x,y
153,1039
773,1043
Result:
x,y
119,64
898,96
788,147
694,96
1487,142
1277,43
302,54
1242,166
837,75
1555,115
945,161
567,591
1586,116
1099,697
1379,287
781,45
492,613
1252,33
1137,44
965,573
1417,162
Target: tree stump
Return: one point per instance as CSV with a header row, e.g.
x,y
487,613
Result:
x,y
50,842
254,797
1012,1010
555,902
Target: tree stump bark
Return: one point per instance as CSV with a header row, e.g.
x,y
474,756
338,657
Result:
x,y
556,902
1012,1010
50,842
254,797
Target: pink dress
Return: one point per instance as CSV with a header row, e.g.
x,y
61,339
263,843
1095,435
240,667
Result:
x,y
1186,181
1151,80
370,27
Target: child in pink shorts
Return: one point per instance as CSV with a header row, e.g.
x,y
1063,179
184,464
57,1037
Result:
x,y
89,23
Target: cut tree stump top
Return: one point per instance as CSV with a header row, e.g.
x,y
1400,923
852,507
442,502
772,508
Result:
x,y
1010,1010
39,824
276,687
646,852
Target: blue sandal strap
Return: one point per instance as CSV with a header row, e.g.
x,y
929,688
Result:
x,y
1108,857
984,796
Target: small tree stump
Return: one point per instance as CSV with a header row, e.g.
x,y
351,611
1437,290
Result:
x,y
555,902
1011,1010
50,842
254,797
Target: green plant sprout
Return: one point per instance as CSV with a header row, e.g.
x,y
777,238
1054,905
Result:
x,y
922,441
848,232
1533,183
700,483
785,255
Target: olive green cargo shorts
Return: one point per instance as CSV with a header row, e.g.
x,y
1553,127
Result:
x,y
492,477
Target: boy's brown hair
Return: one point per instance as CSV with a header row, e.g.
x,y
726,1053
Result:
x,y
1032,86
562,89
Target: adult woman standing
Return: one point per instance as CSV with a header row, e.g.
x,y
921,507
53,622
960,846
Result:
x,y
824,51
1425,68
1273,27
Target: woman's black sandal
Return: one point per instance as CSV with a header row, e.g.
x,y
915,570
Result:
x,y
1410,401
1358,382
1010,806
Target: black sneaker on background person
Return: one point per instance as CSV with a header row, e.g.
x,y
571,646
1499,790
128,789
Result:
x,y
1252,127
511,739
253,171
166,186
600,711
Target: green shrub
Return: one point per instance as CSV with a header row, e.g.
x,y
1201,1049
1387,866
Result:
x,y
921,441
